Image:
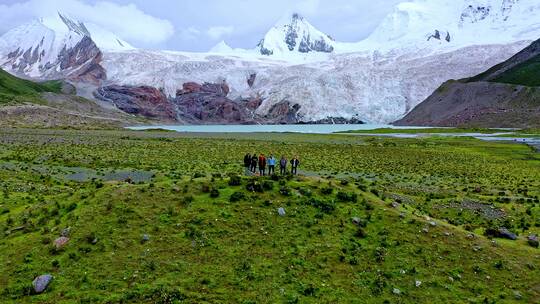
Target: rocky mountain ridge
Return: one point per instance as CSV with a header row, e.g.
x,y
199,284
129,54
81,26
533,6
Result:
x,y
380,79
506,95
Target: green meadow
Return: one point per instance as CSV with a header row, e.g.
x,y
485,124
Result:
x,y
163,217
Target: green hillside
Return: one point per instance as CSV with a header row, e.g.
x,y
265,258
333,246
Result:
x,y
16,90
526,73
162,217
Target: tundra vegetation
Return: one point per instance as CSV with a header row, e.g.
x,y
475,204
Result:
x,y
162,217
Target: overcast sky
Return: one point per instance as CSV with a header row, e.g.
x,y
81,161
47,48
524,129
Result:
x,y
197,25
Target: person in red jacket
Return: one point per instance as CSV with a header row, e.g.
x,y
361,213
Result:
x,y
262,165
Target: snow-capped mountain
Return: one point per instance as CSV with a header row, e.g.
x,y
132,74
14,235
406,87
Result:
x,y
450,24
418,46
57,47
295,35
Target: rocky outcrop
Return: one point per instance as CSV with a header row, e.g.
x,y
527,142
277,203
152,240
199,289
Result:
x,y
251,79
336,121
143,100
208,103
283,113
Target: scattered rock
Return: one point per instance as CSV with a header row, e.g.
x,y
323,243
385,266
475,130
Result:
x,y
533,240
501,233
41,282
61,242
281,211
65,232
433,223
425,230
395,205
417,283
356,221
396,291
517,295
145,238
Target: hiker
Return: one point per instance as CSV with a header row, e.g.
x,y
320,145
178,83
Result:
x,y
247,163
254,160
283,165
262,165
294,165
271,165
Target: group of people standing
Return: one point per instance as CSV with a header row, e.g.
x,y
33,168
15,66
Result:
x,y
252,162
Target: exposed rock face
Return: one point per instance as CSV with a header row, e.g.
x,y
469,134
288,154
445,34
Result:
x,y
208,103
84,61
283,113
81,62
251,79
196,103
146,101
337,121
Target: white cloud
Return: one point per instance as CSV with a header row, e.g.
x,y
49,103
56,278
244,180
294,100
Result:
x,y
190,33
126,21
218,32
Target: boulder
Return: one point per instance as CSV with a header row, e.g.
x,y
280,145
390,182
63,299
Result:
x,y
281,211
65,232
501,233
61,242
533,240
41,283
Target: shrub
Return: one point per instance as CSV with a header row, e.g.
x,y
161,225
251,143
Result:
x,y
198,175
205,188
347,197
326,206
285,191
237,196
254,186
214,193
327,190
235,180
268,185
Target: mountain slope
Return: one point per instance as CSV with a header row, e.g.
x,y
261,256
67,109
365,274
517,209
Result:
x,y
52,104
57,47
12,85
507,95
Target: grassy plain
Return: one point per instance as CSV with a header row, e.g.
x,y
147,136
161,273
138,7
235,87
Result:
x,y
162,217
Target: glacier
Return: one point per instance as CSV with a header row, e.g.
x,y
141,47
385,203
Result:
x,y
418,46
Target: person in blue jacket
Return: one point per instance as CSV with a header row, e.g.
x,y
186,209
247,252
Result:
x,y
271,165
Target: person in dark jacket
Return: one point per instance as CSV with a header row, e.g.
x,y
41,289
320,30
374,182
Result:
x,y
283,165
247,163
294,165
262,165
254,161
